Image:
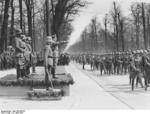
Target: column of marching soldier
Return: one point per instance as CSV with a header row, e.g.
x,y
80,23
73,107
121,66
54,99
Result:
x,y
135,63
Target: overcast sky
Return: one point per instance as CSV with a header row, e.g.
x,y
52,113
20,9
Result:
x,y
98,8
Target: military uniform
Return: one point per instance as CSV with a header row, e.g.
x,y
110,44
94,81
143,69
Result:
x,y
54,48
114,61
146,68
34,61
27,55
83,61
125,64
102,65
119,64
135,71
108,63
48,55
20,48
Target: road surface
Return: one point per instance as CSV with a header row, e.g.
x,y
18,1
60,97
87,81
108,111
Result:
x,y
90,91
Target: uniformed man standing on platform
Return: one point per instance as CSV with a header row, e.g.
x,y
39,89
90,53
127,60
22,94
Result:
x,y
20,48
48,57
55,51
28,55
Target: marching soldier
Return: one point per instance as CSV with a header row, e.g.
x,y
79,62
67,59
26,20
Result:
x,y
119,63
125,63
135,70
102,65
83,61
146,68
114,61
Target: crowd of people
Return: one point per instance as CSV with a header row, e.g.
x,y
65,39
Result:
x,y
64,59
135,63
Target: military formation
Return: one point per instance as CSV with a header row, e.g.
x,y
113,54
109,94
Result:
x,y
134,63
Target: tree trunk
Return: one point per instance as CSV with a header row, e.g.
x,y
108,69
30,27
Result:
x,y
105,33
116,27
148,29
33,33
29,15
12,23
144,26
122,36
2,10
20,8
47,18
24,25
137,36
3,41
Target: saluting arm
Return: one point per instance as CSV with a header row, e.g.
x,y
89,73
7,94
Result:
x,y
61,42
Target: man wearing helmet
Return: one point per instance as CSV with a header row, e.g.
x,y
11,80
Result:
x,y
20,48
146,67
48,57
136,69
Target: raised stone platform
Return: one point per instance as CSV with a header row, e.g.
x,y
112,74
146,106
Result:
x,y
37,81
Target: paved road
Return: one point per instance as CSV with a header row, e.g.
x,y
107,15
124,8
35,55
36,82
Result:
x,y
89,95
119,88
90,91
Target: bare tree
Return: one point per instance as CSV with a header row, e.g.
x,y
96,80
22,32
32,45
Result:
x,y
63,11
106,24
114,14
135,10
21,15
3,40
144,25
29,6
121,20
12,23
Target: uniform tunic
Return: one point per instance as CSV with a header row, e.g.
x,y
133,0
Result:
x,y
20,50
